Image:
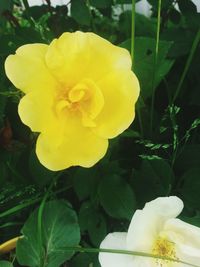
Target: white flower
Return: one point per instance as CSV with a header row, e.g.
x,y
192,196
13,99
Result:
x,y
155,230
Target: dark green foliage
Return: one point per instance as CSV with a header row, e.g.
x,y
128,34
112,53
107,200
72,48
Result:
x,y
5,264
59,229
159,155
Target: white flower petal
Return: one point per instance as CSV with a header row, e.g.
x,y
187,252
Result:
x,y
146,224
142,231
115,241
187,240
168,207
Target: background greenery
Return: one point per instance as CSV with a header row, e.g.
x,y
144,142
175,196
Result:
x,y
159,155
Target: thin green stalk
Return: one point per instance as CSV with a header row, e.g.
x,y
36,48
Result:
x,y
125,252
9,224
92,24
187,65
155,63
29,203
133,34
19,207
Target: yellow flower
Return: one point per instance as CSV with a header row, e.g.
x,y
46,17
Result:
x,y
79,92
9,245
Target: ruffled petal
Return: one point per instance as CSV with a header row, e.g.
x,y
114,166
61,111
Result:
x,y
74,145
187,240
90,55
32,112
115,241
147,224
166,207
120,90
27,70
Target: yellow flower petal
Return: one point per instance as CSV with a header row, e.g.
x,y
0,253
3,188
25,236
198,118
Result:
x,y
9,245
78,146
36,110
120,90
26,69
76,56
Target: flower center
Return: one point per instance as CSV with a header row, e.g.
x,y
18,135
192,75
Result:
x,y
164,248
84,100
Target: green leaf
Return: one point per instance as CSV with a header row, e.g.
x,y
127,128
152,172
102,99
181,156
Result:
x,y
84,182
187,7
191,187
6,5
165,3
101,3
117,197
192,220
59,229
144,62
189,158
152,180
182,41
6,264
92,221
39,173
143,26
2,109
80,12
82,259
4,172
85,260
97,228
123,1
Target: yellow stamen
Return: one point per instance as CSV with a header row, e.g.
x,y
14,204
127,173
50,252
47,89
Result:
x,y
164,248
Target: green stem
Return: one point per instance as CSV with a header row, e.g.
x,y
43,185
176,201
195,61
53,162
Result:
x,y
29,203
133,34
187,65
125,252
155,63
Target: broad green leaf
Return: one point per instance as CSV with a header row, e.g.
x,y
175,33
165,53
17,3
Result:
x,y
97,228
85,260
59,229
124,1
6,264
187,7
82,259
182,41
192,220
117,197
4,172
101,3
39,173
188,158
2,109
80,12
152,180
84,182
144,62
191,187
92,221
5,5
165,3
143,26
